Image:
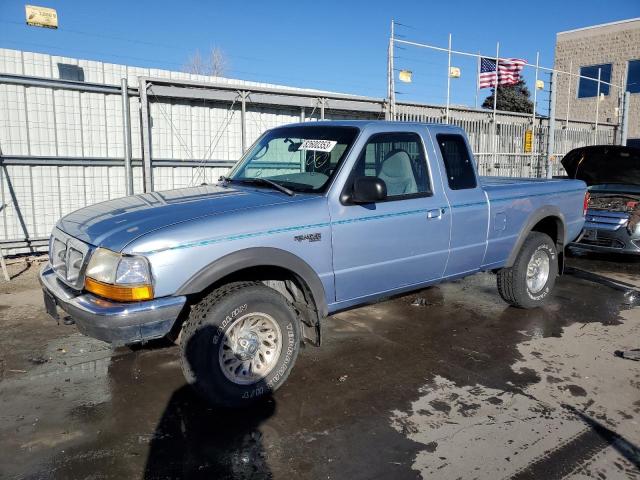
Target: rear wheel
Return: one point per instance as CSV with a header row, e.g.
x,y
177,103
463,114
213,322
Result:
x,y
239,343
530,280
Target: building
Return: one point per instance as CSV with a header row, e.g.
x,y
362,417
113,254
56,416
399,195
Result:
x,y
613,50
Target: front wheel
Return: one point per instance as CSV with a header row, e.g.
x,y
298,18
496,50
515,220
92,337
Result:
x,y
239,343
530,280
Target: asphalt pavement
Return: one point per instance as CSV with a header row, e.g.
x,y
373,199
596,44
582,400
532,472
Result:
x,y
448,382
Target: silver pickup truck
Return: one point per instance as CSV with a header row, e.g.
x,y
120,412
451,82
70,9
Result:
x,y
315,218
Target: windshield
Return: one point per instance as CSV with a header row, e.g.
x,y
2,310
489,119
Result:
x,y
302,158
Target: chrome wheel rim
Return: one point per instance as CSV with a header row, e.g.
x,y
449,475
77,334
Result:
x,y
538,271
251,348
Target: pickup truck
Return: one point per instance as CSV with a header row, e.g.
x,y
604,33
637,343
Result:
x,y
314,219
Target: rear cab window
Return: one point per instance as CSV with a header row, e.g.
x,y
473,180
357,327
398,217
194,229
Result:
x,y
457,161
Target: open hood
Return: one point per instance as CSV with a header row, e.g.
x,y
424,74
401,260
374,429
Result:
x,y
604,164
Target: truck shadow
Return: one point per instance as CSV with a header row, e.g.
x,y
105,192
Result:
x,y
195,439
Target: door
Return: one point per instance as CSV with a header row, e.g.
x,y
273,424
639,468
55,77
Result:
x,y
469,205
395,243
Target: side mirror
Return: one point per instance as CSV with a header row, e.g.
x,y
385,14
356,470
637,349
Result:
x,y
369,190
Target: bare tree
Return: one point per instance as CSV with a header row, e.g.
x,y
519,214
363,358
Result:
x,y
217,62
195,64
213,65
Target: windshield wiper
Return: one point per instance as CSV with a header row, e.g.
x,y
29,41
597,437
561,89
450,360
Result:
x,y
260,181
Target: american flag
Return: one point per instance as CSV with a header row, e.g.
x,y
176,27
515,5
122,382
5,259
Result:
x,y
508,71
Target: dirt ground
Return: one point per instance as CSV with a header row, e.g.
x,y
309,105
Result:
x,y
459,387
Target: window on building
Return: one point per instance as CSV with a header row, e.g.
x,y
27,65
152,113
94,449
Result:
x,y
633,76
589,88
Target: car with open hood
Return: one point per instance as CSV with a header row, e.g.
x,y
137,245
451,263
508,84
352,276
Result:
x,y
612,174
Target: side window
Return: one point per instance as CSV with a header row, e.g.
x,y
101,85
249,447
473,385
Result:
x,y
399,160
457,161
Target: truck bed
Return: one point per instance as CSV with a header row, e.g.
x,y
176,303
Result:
x,y
506,188
511,201
501,181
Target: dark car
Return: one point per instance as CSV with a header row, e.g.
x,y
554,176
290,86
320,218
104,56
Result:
x,y
612,174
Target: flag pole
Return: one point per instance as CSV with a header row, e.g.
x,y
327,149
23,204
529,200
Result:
x,y
495,105
495,85
595,130
478,80
391,66
565,137
566,123
388,112
448,79
533,119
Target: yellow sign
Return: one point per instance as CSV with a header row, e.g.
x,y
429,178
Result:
x,y
454,72
528,141
41,16
539,84
405,76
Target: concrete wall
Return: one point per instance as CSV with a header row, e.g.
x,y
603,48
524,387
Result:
x,y
615,43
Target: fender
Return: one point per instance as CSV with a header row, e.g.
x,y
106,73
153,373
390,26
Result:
x,y
540,214
258,257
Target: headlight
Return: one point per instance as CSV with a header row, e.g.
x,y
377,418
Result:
x,y
119,277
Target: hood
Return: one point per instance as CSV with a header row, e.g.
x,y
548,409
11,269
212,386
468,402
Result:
x,y
604,164
115,223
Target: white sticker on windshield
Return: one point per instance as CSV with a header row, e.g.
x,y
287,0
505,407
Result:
x,y
318,145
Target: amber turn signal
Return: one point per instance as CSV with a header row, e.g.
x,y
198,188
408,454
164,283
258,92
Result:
x,y
133,293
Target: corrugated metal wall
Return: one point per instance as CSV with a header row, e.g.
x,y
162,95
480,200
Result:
x,y
62,149
64,125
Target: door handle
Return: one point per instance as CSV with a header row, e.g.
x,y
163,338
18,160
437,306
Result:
x,y
435,213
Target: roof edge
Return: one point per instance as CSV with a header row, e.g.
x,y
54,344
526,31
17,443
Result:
x,y
617,22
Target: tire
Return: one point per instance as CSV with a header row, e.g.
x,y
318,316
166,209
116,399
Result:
x,y
512,281
239,343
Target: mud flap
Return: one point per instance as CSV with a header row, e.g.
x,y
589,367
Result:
x,y
314,338
50,306
310,322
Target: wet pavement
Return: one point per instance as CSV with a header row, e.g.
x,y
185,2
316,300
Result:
x,y
458,386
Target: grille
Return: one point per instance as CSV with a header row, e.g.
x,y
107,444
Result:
x,y
58,256
68,257
603,242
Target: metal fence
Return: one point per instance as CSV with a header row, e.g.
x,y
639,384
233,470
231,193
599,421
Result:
x,y
508,138
69,129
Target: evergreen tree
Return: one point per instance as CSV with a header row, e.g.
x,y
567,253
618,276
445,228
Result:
x,y
511,98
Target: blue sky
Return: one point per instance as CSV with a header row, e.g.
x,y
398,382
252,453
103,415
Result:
x,y
331,45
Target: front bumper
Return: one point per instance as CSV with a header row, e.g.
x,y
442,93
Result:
x,y
607,240
114,322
